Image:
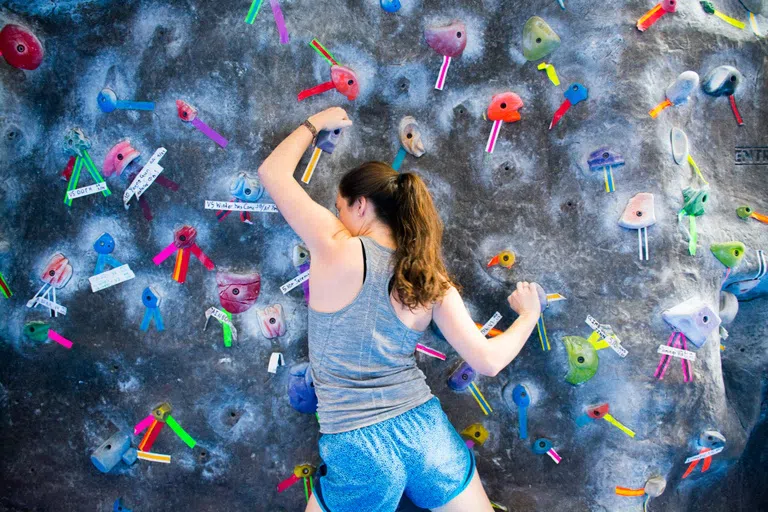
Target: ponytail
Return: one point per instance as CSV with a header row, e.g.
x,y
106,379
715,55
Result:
x,y
403,202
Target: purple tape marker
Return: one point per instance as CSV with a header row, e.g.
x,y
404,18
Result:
x,y
188,114
210,132
279,21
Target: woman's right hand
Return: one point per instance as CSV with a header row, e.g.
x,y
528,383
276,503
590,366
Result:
x,y
330,119
525,300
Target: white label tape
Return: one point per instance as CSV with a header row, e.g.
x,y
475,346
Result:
x,y
676,352
86,191
704,455
490,323
111,278
221,317
293,283
52,305
275,360
606,333
241,207
145,178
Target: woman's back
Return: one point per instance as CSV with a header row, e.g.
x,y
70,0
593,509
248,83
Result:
x,y
362,356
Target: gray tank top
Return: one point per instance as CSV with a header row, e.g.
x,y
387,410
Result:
x,y
362,356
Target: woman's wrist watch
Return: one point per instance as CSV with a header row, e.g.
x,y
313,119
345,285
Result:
x,y
311,128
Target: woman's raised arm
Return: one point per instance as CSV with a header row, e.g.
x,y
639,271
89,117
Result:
x,y
487,356
315,224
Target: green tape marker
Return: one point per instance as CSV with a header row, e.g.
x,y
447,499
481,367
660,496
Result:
x,y
253,11
227,330
73,179
324,53
95,173
180,431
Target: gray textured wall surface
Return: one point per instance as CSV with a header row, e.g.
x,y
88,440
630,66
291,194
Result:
x,y
534,194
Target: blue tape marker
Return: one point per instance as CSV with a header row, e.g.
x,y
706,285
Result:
x,y
399,158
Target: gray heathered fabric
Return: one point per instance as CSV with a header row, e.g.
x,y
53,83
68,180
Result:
x,y
362,356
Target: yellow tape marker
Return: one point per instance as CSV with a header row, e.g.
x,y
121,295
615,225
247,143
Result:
x,y
753,24
154,457
596,342
478,396
552,297
551,72
696,168
736,23
610,419
311,165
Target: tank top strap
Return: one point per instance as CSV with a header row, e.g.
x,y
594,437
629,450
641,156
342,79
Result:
x,y
378,262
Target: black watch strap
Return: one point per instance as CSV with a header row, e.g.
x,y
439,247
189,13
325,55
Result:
x,y
311,128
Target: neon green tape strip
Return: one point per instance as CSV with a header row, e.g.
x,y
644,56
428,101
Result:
x,y
180,431
315,44
306,489
227,330
253,11
95,173
73,179
694,235
696,168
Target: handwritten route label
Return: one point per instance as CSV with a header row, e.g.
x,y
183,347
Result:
x,y
704,455
241,207
86,191
221,317
145,178
610,337
677,352
490,323
52,305
111,278
293,283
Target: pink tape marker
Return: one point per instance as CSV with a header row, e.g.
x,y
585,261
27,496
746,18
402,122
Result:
x,y
493,136
430,351
554,455
142,425
443,72
164,254
58,338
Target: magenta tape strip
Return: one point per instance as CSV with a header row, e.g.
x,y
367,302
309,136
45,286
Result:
x,y
430,351
58,338
443,72
210,132
279,21
143,424
494,135
164,254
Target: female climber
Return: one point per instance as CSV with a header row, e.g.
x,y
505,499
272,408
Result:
x,y
377,279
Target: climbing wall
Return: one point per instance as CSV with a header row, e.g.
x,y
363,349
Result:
x,y
551,195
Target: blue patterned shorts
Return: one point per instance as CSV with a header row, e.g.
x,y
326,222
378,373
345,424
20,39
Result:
x,y
417,453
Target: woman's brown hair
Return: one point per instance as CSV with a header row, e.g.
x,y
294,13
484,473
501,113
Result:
x,y
403,202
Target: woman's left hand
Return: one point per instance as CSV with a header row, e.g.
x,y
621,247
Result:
x,y
330,119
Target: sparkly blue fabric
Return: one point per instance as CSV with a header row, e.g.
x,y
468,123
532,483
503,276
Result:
x,y
417,453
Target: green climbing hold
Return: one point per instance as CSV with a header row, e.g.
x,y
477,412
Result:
x,y
36,330
694,201
729,254
744,212
582,360
708,6
539,40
